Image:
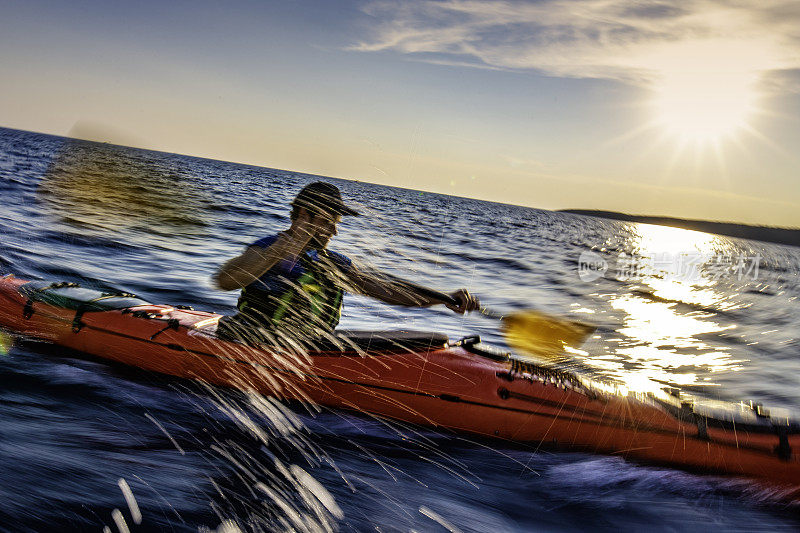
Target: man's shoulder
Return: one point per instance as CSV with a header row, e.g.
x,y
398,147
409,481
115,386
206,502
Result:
x,y
265,242
339,258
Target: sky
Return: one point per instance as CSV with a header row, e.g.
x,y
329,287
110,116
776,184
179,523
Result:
x,y
688,108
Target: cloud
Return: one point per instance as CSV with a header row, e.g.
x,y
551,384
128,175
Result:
x,y
612,39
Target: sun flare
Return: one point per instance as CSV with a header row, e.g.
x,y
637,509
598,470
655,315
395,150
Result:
x,y
703,105
705,91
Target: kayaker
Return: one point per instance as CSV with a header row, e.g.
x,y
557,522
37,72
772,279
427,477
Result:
x,y
292,285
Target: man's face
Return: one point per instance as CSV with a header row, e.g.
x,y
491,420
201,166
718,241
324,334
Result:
x,y
325,229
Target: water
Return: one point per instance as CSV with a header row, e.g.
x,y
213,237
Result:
x,y
196,458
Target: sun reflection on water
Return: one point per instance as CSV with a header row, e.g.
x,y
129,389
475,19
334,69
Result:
x,y
652,239
667,345
670,313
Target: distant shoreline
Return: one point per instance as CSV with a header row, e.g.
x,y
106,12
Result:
x,y
742,231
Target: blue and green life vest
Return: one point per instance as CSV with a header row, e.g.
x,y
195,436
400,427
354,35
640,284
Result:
x,y
302,295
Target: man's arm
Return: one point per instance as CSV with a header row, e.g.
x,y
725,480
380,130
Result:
x,y
396,291
244,269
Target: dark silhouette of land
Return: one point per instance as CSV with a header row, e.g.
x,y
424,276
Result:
x,y
757,233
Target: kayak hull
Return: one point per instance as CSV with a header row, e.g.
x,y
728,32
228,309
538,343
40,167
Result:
x,y
458,388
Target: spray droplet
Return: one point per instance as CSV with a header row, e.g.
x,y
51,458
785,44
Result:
x,y
136,514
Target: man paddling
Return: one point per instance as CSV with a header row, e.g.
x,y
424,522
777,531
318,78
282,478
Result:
x,y
292,285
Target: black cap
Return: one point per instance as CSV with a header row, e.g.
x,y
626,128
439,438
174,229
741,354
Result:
x,y
322,197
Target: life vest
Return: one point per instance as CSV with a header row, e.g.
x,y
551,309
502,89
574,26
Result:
x,y
306,305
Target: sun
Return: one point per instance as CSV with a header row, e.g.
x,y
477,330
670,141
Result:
x,y
703,106
704,93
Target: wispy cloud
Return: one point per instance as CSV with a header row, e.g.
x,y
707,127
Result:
x,y
613,39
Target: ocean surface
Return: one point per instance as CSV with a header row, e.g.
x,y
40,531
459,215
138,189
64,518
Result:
x,y
87,445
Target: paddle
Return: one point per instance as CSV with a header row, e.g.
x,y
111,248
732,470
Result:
x,y
531,332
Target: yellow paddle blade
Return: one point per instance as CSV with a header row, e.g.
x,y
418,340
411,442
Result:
x,y
543,336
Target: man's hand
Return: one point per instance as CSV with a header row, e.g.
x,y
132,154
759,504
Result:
x,y
255,261
466,302
314,230
303,228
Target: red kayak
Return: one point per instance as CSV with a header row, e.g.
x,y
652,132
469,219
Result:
x,y
420,378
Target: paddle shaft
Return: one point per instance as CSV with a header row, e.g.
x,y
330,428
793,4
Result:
x,y
529,332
